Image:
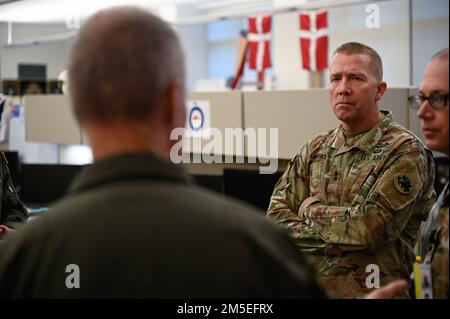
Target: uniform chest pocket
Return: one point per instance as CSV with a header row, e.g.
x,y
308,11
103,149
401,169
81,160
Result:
x,y
315,176
358,184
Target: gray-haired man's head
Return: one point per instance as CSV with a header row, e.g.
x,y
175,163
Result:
x,y
122,62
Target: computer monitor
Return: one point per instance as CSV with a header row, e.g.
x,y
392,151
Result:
x,y
250,186
42,184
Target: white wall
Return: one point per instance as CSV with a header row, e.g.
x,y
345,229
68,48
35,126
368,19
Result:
x,y
346,24
53,55
391,40
193,39
430,32
286,60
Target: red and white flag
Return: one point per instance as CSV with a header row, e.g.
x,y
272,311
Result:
x,y
314,39
259,35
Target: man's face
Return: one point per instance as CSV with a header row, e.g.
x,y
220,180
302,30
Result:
x,y
354,91
434,122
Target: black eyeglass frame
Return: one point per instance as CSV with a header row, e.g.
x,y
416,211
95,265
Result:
x,y
416,101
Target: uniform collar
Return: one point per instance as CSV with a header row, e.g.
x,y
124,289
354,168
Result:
x,y
129,166
366,141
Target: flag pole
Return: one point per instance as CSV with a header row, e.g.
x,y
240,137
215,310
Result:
x,y
241,59
316,79
260,85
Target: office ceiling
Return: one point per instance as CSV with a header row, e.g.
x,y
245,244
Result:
x,y
6,1
194,11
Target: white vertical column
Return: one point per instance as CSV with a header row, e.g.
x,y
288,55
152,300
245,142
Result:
x,y
194,41
286,47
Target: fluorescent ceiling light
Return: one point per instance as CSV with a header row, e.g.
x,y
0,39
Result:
x,y
36,11
60,11
49,39
224,4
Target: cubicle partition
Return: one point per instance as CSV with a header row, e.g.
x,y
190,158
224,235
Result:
x,y
225,111
296,115
301,114
49,119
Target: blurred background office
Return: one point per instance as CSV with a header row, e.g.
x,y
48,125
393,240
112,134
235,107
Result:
x,y
46,148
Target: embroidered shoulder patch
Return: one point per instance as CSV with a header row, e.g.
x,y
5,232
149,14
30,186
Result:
x,y
403,183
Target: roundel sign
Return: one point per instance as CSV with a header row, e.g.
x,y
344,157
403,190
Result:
x,y
196,118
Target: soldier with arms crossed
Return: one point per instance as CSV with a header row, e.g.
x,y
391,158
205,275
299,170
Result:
x,y
353,197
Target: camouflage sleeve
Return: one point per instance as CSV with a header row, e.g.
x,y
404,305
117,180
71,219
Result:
x,y
13,211
378,214
439,264
289,193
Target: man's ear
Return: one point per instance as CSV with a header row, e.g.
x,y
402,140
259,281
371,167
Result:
x,y
381,89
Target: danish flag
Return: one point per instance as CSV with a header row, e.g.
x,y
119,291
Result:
x,y
259,35
314,39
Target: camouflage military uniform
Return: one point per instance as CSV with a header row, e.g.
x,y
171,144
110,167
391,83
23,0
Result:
x,y
12,210
354,200
437,252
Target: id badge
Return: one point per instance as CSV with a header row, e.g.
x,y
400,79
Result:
x,y
422,281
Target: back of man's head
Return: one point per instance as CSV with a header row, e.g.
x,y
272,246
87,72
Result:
x,y
435,77
441,56
359,48
123,61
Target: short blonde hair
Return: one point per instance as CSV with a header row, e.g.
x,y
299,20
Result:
x,y
359,48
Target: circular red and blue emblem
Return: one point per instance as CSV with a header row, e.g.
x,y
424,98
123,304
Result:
x,y
196,118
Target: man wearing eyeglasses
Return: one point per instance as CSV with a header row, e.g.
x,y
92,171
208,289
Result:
x,y
353,197
432,105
